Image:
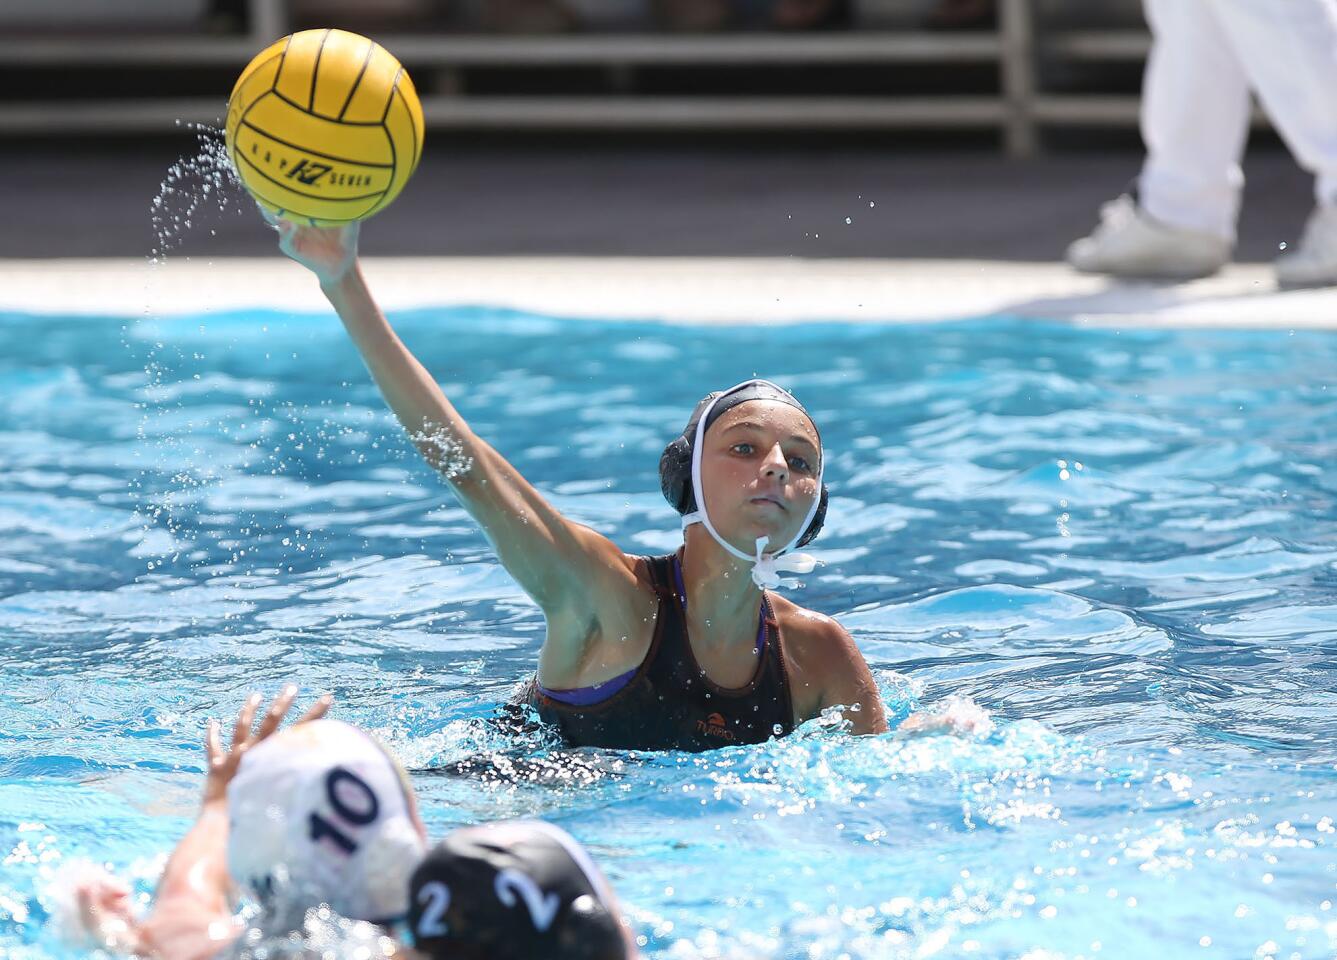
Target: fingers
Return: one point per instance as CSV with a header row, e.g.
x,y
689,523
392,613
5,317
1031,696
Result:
x,y
90,916
270,217
242,736
105,888
277,710
318,709
241,732
288,238
105,915
213,744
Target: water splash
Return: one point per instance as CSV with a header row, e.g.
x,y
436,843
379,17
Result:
x,y
443,451
194,189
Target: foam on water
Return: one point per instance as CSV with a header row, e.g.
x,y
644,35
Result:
x,y
1151,635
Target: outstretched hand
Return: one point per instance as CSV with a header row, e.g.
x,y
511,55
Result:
x,y
328,252
106,915
223,763
957,715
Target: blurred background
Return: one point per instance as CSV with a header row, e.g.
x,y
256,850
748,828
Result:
x,y
981,128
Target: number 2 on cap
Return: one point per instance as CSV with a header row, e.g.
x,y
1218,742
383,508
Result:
x,y
542,908
436,898
371,809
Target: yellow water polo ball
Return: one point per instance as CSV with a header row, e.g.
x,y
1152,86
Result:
x,y
324,127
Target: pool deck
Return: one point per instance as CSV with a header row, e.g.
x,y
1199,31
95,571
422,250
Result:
x,y
692,234
685,290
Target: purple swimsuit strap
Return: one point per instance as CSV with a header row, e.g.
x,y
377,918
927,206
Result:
x,y
589,696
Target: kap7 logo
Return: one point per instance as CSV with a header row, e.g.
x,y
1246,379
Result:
x,y
308,171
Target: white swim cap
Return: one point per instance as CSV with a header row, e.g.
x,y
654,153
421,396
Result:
x,y
319,814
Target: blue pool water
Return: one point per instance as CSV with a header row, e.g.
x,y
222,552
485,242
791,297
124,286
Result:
x,y
1121,544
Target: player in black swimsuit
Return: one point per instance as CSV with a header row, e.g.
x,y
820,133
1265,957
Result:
x,y
669,702
690,652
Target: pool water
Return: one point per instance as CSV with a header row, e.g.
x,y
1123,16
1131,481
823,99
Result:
x,y
1122,544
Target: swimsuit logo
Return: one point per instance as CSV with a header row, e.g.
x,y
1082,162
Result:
x,y
308,173
715,726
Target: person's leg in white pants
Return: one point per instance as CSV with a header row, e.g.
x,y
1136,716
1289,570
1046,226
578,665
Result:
x,y
1289,52
1195,116
1195,121
1206,56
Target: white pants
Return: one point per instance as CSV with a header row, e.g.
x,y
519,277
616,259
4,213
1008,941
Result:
x,y
1206,57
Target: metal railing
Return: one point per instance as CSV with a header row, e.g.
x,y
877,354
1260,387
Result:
x,y
1018,110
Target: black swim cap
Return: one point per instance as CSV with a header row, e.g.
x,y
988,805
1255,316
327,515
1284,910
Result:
x,y
513,891
675,463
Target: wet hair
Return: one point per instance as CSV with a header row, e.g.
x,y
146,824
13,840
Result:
x,y
675,463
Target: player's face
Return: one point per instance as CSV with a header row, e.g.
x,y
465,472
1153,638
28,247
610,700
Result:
x,y
759,466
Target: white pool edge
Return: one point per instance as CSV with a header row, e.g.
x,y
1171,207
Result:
x,y
678,290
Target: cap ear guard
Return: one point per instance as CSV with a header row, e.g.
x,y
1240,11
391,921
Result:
x,y
675,475
675,463
818,518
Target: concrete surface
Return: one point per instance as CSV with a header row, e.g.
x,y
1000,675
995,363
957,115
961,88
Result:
x,y
680,290
658,231
653,200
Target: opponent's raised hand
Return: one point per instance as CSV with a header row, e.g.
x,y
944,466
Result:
x,y
223,763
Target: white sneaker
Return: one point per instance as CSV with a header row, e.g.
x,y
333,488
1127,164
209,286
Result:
x,y
1128,243
1313,263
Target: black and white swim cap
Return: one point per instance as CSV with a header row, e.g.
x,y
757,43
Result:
x,y
513,890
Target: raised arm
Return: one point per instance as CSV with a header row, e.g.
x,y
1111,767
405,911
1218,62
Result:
x,y
192,917
559,563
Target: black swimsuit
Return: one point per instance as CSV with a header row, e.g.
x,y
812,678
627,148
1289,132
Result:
x,y
669,703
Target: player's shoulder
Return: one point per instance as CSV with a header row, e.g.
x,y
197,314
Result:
x,y
791,616
813,637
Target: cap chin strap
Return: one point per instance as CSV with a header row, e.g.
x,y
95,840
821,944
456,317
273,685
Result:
x,y
766,568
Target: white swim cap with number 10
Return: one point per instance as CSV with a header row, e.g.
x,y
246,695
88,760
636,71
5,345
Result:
x,y
320,814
